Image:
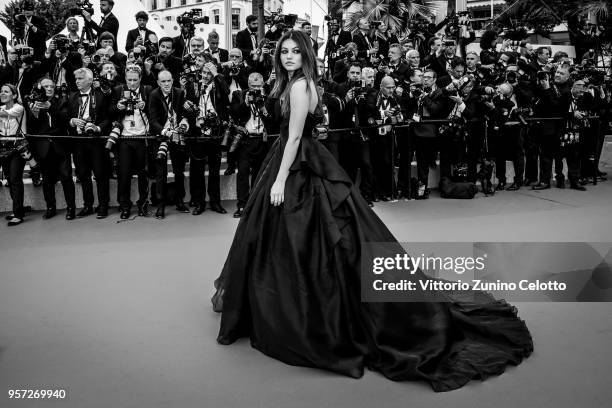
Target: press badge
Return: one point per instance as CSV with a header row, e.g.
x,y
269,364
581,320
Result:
x,y
416,117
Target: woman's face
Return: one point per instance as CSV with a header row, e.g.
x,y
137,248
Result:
x,y
5,95
382,28
73,25
291,56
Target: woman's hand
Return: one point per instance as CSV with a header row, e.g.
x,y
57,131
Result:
x,y
277,193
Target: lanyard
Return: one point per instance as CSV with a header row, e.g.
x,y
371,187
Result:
x,y
83,106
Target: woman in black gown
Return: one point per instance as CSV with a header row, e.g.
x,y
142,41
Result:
x,y
291,281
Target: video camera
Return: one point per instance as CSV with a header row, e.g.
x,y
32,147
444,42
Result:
x,y
150,50
62,43
190,71
282,21
38,94
106,84
258,98
192,17
81,6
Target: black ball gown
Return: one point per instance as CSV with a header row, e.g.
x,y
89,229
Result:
x,y
291,282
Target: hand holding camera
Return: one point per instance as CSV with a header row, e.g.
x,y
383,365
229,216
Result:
x,y
212,68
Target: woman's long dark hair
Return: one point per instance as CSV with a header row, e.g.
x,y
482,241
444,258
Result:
x,y
308,71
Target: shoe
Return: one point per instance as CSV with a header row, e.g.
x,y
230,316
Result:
x,y
370,203
143,210
500,187
192,203
583,181
198,209
541,186
527,182
514,186
216,207
230,170
561,183
160,214
385,198
50,213
601,173
239,212
125,213
9,217
85,211
375,199
70,213
181,207
15,221
102,212
578,187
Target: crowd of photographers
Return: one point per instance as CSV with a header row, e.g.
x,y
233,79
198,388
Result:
x,y
185,101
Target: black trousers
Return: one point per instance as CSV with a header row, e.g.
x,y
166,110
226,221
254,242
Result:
x,y
202,154
13,167
531,154
355,156
426,148
178,158
57,165
510,146
381,150
250,154
549,148
475,149
91,156
132,159
405,146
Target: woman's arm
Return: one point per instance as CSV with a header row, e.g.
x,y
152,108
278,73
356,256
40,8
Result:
x,y
299,103
15,112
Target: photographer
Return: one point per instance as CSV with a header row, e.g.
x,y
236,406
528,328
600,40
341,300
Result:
x,y
141,34
442,64
337,38
109,22
385,39
365,45
213,108
307,28
107,41
549,103
264,59
26,71
72,26
249,112
220,55
130,104
182,42
435,50
107,78
432,104
396,69
60,63
163,61
342,66
32,30
541,63
87,114
488,53
12,160
246,39
168,121
383,109
44,117
235,71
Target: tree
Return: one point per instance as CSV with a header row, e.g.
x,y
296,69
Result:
x,y
53,12
396,14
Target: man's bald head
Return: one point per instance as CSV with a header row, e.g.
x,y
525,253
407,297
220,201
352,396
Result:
x,y
387,86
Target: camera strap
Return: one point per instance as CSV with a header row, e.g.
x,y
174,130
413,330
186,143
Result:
x,y
83,106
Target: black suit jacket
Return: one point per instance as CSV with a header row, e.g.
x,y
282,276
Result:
x,y
434,106
70,65
362,46
99,115
50,122
179,46
223,54
37,39
132,36
243,41
110,24
158,110
242,79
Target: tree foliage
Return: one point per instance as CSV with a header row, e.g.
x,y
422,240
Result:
x,y
53,12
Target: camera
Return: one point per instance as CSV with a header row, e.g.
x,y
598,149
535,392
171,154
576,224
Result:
x,y
90,129
282,21
130,100
23,149
38,94
234,70
258,98
542,76
82,5
114,136
271,46
162,151
192,17
344,53
232,136
62,43
105,82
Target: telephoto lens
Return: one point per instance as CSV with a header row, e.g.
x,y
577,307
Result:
x,y
162,151
114,136
25,153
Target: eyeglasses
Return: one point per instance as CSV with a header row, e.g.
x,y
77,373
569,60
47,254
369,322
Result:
x,y
427,77
130,68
